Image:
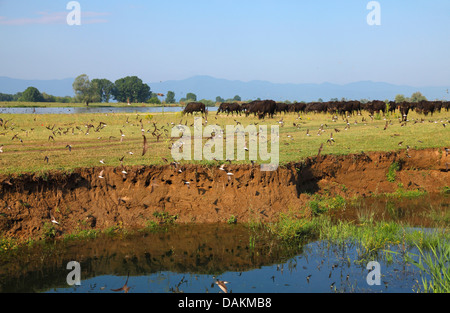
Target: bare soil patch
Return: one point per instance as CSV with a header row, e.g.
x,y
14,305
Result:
x,y
81,200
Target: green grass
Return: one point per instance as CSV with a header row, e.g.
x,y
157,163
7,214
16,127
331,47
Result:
x,y
294,146
435,262
392,172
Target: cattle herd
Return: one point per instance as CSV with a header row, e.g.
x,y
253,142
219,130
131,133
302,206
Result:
x,y
263,108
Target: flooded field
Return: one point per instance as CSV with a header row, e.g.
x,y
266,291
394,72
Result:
x,y
190,258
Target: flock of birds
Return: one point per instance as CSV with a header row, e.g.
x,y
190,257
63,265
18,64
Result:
x,y
222,284
162,132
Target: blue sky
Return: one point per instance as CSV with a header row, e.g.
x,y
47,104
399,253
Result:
x,y
284,41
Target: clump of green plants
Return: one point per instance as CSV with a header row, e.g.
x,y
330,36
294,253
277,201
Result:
x,y
445,190
392,171
7,245
291,228
232,220
319,205
402,193
434,262
165,218
48,231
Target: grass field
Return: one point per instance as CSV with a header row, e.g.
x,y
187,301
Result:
x,y
32,141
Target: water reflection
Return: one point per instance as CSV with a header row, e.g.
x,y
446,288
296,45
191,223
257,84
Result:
x,y
430,210
78,110
189,258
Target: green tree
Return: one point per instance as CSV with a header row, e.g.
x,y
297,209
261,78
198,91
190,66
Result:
x,y
154,100
191,96
131,88
6,97
170,98
220,99
31,94
102,88
84,91
237,98
417,96
48,98
400,98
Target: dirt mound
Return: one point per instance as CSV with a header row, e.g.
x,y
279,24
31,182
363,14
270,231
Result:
x,y
82,200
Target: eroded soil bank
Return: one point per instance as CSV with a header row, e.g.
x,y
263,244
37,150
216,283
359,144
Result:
x,y
81,200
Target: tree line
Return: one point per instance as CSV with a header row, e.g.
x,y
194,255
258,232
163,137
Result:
x,y
132,89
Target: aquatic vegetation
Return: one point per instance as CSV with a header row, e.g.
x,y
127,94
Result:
x,y
434,262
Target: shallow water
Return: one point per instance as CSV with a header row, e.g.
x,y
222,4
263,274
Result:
x,y
189,258
78,110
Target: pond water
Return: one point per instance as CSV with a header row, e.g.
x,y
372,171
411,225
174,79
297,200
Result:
x,y
78,110
189,259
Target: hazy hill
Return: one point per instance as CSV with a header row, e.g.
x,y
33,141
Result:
x,y
207,87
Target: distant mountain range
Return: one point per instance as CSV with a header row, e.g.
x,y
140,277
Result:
x,y
207,87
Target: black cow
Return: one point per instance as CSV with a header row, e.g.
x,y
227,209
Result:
x,y
404,108
348,107
261,108
194,107
282,107
222,108
298,107
375,107
316,107
230,108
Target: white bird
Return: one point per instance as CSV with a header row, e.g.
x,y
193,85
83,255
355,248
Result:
x,y
123,172
222,167
53,219
101,161
1,149
101,174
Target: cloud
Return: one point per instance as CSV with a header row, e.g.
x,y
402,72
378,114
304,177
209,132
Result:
x,y
46,18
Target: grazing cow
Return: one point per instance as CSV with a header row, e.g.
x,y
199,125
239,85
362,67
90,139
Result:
x,y
375,107
261,108
194,107
347,107
282,107
446,105
298,107
234,107
230,107
222,108
316,107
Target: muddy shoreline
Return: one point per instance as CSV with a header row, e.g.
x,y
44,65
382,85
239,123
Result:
x,y
80,200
